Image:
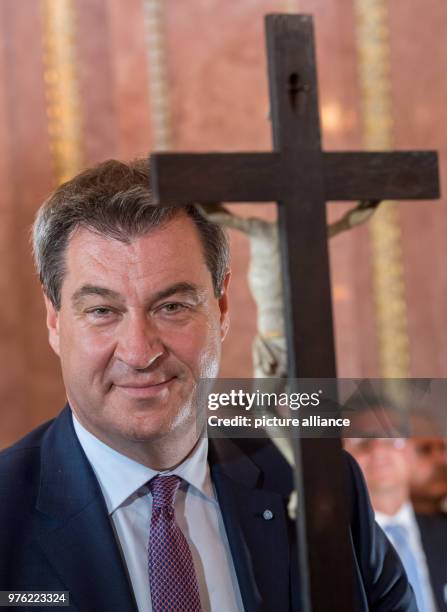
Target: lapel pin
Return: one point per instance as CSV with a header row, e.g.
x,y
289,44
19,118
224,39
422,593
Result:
x,y
267,515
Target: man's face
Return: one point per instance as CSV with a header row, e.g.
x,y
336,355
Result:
x,y
384,461
138,326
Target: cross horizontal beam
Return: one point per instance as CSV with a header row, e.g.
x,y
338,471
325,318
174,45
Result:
x,y
181,178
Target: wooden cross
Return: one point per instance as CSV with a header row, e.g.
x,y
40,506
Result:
x,y
301,178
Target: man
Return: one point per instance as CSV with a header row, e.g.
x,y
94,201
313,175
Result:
x,y
120,500
428,474
386,465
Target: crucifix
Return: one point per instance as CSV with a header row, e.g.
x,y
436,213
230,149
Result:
x,y
301,177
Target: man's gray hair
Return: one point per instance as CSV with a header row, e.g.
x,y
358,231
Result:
x,y
114,200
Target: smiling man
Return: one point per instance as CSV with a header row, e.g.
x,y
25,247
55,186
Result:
x,y
139,324
121,500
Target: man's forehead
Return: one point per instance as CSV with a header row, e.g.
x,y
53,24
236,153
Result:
x,y
177,242
161,257
166,231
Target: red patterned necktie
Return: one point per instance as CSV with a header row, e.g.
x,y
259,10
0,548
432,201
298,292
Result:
x,y
172,577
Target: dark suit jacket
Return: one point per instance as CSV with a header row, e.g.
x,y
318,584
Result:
x,y
55,533
433,530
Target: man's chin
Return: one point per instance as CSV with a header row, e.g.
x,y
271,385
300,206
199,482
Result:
x,y
139,435
151,429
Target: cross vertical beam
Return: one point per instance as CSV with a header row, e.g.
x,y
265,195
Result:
x,y
322,520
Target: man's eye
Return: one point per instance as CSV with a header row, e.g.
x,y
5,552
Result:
x,y
100,311
173,307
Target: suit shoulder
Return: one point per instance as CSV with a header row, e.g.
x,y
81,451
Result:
x,y
278,473
354,477
437,520
22,458
267,456
435,524
433,530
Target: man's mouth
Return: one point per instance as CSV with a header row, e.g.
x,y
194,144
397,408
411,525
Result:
x,y
145,389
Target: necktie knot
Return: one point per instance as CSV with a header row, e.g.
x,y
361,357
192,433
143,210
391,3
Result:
x,y
163,489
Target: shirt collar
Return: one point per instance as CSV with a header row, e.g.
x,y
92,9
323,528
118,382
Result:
x,y
404,516
121,477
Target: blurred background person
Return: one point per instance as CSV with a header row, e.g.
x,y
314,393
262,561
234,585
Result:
x,y
385,458
428,461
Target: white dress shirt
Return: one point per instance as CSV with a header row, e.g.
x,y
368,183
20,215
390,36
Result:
x,y
129,503
406,518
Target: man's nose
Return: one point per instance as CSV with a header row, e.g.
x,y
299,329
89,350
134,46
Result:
x,y
139,344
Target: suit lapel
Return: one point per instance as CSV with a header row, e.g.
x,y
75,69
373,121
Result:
x,y
76,535
257,526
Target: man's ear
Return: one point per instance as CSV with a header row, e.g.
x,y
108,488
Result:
x,y
223,305
52,325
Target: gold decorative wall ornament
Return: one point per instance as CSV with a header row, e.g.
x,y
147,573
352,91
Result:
x,y
61,85
158,79
385,234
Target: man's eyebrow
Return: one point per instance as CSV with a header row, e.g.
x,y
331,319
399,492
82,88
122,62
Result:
x,y
87,290
181,287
